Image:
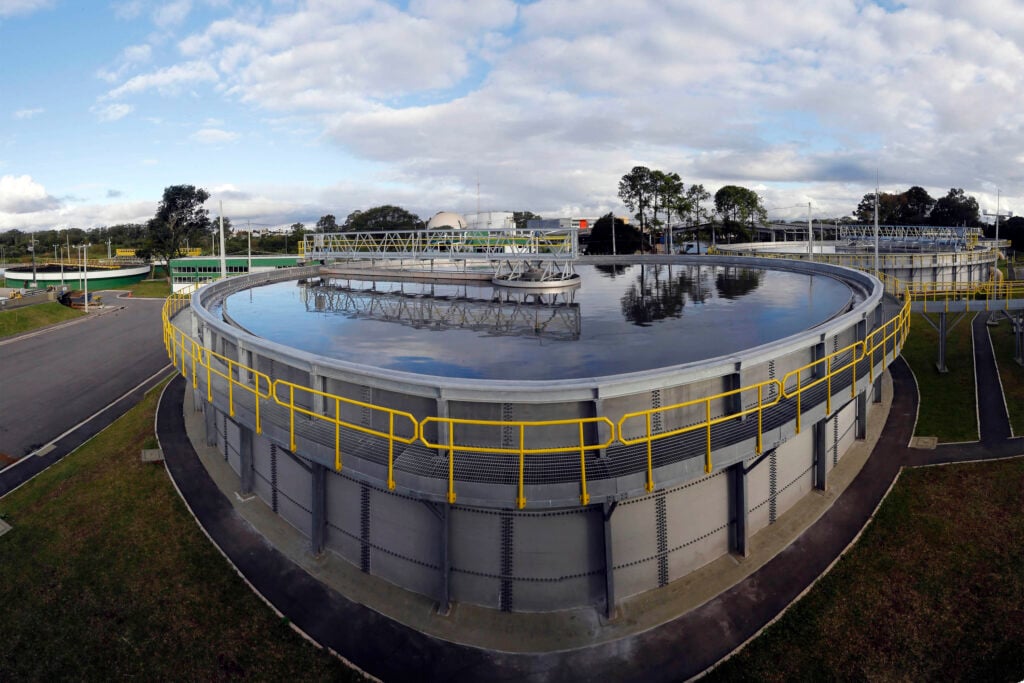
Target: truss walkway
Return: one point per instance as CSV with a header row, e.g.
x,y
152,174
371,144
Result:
x,y
512,255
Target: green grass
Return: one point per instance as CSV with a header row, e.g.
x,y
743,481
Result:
x,y
106,576
18,320
948,408
158,289
932,591
1010,373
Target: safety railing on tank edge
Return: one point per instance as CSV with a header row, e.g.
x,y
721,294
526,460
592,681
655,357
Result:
x,y
520,450
189,355
650,436
864,262
817,377
390,436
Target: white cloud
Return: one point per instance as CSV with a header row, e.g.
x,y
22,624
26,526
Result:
x,y
549,102
10,8
21,195
167,81
112,112
172,14
213,136
28,113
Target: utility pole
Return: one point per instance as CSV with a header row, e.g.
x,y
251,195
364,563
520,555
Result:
x,y
810,234
223,257
876,225
32,248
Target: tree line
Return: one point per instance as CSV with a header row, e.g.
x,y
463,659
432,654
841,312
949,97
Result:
x,y
657,198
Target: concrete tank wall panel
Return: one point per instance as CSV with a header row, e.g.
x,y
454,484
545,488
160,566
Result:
x,y
405,542
758,492
557,559
635,546
264,460
476,554
794,475
696,524
293,492
344,498
234,440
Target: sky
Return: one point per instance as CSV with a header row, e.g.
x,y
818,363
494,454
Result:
x,y
287,110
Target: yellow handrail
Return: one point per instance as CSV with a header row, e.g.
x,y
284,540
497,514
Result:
x,y
650,436
391,436
451,445
189,355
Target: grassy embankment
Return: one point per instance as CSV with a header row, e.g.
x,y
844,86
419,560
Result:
x,y
154,289
950,412
105,575
932,590
1011,374
18,320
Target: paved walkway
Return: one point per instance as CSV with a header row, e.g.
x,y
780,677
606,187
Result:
x,y
65,383
678,649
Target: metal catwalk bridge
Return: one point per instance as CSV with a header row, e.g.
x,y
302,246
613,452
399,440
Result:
x,y
513,255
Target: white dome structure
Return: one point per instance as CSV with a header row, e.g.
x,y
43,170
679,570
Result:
x,y
446,219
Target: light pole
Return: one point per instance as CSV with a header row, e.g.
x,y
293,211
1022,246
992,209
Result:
x,y
84,251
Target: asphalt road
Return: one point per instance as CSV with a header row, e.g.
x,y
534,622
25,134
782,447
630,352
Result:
x,y
53,379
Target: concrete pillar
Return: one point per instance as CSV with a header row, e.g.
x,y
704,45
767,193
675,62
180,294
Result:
x,y
739,529
820,456
446,560
442,428
940,364
247,472
607,508
818,353
318,501
210,416
861,430
733,381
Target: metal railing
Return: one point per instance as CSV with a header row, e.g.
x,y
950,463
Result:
x,y
195,360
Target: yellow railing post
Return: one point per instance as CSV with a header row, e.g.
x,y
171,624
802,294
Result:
x,y
760,413
230,379
828,385
209,379
451,463
391,451
707,454
584,496
291,416
521,500
337,434
650,456
799,395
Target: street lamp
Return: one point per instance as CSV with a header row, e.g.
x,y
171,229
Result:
x,y
84,251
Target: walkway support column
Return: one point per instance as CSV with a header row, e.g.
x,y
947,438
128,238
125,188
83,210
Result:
x,y
246,474
940,364
318,501
820,457
607,508
739,530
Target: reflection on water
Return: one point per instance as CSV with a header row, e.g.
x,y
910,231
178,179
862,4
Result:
x,y
552,315
621,319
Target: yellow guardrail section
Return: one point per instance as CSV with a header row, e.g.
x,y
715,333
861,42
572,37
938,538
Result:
x,y
520,450
391,436
650,436
191,357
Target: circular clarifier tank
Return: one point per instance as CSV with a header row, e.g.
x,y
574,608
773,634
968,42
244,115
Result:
x,y
620,319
